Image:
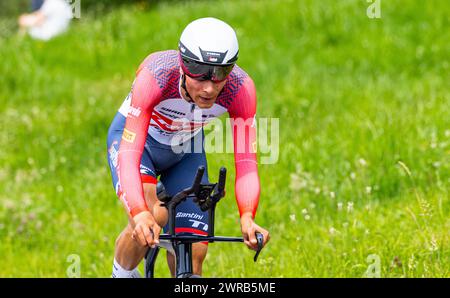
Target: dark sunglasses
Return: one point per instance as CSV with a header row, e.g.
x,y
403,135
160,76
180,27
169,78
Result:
x,y
202,72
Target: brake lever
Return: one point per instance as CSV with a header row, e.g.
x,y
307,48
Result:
x,y
260,239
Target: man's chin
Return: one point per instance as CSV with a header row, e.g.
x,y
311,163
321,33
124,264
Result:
x,y
205,104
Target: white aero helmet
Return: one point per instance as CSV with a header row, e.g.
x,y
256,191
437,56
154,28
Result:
x,y
209,41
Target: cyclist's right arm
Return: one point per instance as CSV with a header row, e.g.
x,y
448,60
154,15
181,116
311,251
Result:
x,y
145,95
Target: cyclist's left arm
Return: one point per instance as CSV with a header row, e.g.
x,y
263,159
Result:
x,y
247,186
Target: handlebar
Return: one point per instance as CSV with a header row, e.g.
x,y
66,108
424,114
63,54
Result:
x,y
222,179
188,191
202,238
212,193
260,239
197,180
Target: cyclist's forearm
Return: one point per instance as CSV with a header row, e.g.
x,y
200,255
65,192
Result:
x,y
131,193
247,187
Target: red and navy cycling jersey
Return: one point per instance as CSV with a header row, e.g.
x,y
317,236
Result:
x,y
155,107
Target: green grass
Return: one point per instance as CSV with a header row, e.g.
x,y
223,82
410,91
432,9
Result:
x,y
364,138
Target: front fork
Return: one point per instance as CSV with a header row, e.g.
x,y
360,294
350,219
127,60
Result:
x,y
183,260
150,259
183,255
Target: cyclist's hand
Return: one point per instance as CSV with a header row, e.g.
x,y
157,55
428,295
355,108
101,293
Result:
x,y
146,230
249,228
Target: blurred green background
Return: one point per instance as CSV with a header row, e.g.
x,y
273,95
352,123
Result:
x,y
363,171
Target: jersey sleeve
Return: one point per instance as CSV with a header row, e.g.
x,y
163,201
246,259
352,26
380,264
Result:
x,y
145,95
242,114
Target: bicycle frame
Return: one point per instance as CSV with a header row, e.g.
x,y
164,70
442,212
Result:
x,y
206,196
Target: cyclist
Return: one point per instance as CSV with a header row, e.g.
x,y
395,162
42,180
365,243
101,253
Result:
x,y
174,95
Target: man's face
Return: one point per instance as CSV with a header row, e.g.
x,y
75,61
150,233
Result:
x,y
204,93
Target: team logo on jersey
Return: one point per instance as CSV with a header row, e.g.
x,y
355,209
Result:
x,y
128,136
174,125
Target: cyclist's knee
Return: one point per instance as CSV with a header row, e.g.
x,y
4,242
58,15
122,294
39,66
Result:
x,y
159,212
126,233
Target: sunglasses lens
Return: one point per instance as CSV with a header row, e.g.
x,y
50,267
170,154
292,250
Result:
x,y
202,71
220,73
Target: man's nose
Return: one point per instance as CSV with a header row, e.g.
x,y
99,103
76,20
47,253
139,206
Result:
x,y
208,86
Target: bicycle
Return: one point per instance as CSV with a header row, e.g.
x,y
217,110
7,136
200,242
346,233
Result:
x,y
206,196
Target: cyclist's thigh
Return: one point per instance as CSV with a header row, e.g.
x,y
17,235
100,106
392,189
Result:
x,y
189,217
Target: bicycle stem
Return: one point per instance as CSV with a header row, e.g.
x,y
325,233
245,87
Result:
x,y
211,215
178,198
